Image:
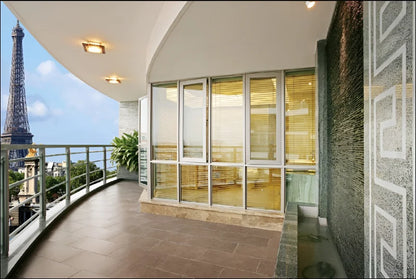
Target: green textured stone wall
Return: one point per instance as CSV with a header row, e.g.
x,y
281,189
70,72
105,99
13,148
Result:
x,y
345,98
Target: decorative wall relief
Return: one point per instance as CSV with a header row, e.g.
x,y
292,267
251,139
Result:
x,y
389,78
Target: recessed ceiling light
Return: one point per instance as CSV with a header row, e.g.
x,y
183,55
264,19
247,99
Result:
x,y
113,80
309,4
94,47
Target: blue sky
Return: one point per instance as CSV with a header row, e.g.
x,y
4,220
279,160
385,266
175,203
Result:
x,y
62,109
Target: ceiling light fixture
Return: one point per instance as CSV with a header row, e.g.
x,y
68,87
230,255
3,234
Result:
x,y
94,47
309,4
113,80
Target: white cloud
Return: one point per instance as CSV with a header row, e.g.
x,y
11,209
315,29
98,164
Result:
x,y
38,109
46,67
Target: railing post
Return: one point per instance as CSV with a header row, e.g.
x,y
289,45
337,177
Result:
x,y
105,166
68,176
42,200
4,188
87,175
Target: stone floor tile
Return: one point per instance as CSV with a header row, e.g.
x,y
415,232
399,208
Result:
x,y
41,267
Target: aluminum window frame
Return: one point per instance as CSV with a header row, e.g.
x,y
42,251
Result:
x,y
204,121
279,118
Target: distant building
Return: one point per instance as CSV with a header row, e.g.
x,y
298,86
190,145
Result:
x,y
55,169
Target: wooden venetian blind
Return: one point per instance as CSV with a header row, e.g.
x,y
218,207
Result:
x,y
300,127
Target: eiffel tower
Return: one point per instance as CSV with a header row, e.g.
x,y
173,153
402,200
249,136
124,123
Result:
x,y
16,128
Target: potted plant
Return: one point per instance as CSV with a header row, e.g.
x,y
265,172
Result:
x,y
126,152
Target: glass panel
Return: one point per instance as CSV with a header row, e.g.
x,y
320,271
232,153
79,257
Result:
x,y
227,118
193,120
194,183
300,118
302,186
227,185
164,121
143,141
263,188
164,181
263,118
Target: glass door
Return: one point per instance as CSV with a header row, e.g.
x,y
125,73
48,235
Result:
x,y
143,140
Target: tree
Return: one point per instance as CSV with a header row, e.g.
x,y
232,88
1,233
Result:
x,y
81,168
14,177
55,193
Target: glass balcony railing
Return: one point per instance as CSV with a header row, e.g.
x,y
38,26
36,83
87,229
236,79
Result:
x,y
36,189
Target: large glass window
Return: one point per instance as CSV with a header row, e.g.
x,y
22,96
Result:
x,y
227,118
264,118
227,185
300,118
164,121
263,188
194,128
194,183
239,140
165,181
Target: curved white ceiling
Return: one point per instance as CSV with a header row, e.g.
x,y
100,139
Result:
x,y
165,40
228,37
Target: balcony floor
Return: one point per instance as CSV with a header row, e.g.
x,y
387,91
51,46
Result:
x,y
108,236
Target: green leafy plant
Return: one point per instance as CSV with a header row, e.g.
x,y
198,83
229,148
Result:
x,y
126,152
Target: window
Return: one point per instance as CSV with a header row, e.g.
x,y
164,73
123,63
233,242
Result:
x,y
193,120
227,120
247,142
164,121
263,188
194,183
227,185
164,181
264,124
300,134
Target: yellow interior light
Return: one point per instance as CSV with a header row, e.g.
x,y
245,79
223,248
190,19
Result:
x,y
94,47
113,80
310,4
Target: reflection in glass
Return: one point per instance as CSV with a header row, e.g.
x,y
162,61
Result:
x,y
302,186
194,109
227,117
143,141
164,181
300,118
227,185
194,183
164,121
263,118
263,188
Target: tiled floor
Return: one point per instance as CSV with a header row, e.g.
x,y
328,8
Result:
x,y
108,236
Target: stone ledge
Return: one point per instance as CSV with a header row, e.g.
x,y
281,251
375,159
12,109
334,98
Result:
x,y
224,215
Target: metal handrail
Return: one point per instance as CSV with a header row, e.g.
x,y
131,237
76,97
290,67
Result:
x,y
40,178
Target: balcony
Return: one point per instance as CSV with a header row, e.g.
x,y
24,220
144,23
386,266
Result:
x,y
98,229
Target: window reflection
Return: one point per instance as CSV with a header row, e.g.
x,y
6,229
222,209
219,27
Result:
x,y
263,118
193,120
194,183
227,185
164,121
164,181
263,188
227,119
300,118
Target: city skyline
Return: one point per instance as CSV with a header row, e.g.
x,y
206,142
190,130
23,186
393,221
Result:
x,y
61,108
